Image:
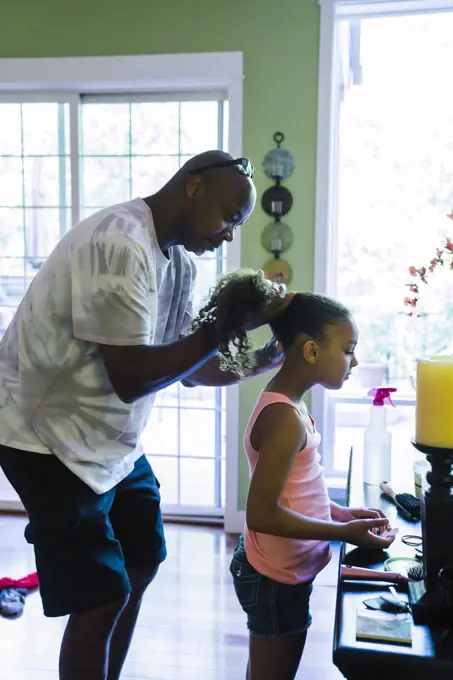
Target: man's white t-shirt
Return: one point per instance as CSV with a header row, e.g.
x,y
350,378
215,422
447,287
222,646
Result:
x,y
106,282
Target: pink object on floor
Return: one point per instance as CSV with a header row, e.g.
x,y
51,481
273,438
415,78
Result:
x,y
29,582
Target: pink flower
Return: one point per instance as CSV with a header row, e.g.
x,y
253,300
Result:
x,y
422,272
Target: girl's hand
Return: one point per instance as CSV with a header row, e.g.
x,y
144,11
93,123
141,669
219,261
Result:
x,y
360,532
342,514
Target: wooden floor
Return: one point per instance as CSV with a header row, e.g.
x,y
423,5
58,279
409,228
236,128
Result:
x,y
190,628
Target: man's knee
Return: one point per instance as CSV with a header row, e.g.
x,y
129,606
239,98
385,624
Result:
x,y
141,577
102,618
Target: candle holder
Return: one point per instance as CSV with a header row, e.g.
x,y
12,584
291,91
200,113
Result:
x,y
428,603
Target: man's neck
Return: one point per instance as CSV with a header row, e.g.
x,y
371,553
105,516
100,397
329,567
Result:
x,y
164,220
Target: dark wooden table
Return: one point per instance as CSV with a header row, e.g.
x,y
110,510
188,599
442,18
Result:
x,y
431,653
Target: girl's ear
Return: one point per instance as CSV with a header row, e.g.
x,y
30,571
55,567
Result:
x,y
310,352
280,349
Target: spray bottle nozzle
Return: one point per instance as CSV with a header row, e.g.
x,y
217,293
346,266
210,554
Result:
x,y
380,394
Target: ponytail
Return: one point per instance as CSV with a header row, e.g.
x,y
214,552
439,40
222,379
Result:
x,y
236,298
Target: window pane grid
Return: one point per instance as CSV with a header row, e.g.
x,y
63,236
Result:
x,y
147,145
123,149
192,490
34,201
184,430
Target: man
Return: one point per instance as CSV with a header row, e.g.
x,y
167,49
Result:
x,y
104,326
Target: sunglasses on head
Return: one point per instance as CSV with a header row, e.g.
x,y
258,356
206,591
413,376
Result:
x,y
242,164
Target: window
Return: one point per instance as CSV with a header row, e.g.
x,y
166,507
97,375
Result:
x,y
65,155
35,193
390,171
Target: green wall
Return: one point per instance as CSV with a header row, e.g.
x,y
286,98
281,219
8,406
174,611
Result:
x,y
280,45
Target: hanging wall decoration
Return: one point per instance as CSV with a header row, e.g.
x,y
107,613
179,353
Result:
x,y
277,236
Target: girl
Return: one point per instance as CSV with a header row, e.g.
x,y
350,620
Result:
x,y
290,519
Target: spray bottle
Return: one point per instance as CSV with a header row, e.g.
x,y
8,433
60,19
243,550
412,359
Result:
x,y
377,445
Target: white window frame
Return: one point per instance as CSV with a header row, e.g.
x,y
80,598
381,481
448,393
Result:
x,y
327,175
169,75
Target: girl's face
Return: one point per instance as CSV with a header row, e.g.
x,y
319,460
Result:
x,y
334,357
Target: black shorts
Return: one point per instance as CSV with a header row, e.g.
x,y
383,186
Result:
x,y
85,543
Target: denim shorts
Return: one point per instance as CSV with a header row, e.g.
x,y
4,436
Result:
x,y
85,543
273,609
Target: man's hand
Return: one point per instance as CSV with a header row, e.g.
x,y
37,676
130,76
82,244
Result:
x,y
273,309
269,356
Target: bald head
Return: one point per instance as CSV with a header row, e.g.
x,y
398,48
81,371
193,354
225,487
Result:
x,y
213,169
211,196
206,158
222,182
202,162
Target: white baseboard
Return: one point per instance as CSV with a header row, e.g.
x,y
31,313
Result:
x,y
234,522
12,506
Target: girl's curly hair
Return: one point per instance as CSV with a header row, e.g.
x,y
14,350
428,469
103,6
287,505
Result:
x,y
243,295
236,298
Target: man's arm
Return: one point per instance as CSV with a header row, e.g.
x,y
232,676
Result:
x,y
135,371
210,375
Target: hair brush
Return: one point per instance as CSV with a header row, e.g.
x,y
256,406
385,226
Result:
x,y
407,504
415,572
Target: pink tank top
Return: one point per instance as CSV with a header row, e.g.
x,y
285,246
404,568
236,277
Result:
x,y
289,560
